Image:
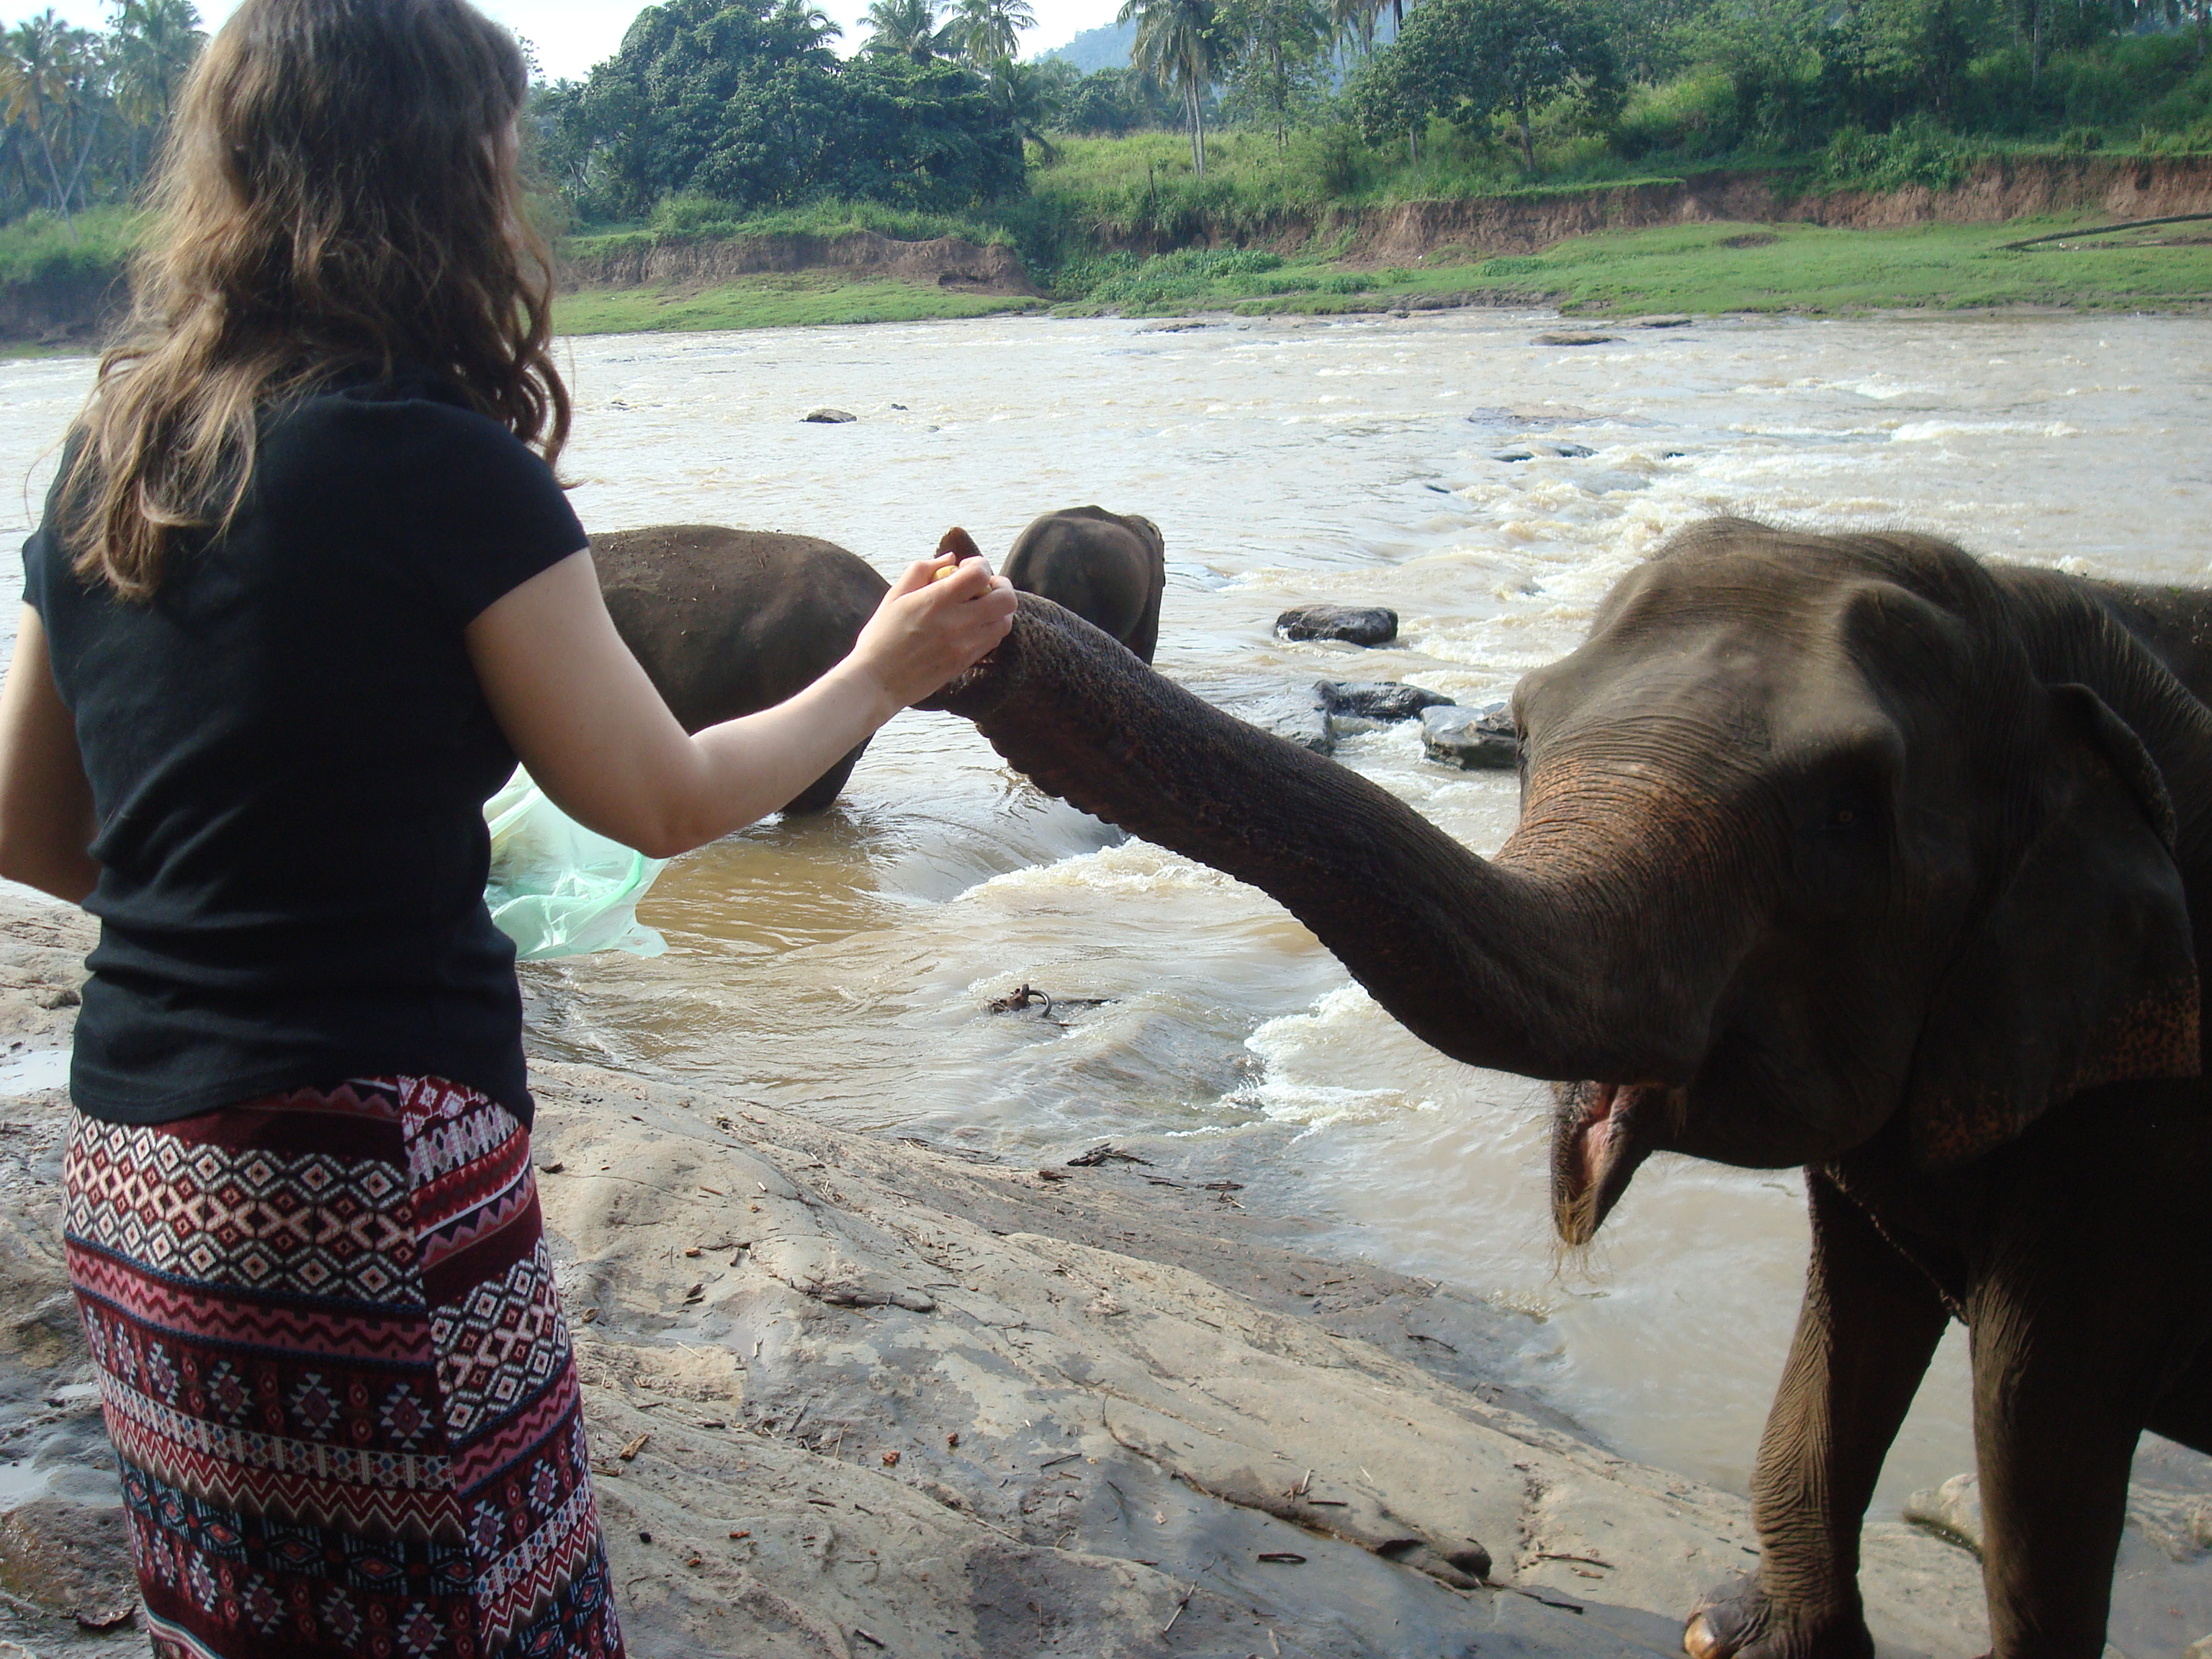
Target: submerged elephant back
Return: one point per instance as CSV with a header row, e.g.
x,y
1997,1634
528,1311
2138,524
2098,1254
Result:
x,y
729,622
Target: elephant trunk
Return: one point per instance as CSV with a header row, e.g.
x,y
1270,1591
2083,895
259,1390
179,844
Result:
x,y
1486,963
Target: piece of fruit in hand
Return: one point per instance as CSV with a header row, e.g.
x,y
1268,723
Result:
x,y
960,547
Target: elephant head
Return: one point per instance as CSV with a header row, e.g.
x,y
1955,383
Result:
x,y
1808,846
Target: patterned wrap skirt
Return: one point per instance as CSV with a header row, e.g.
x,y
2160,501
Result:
x,y
336,1377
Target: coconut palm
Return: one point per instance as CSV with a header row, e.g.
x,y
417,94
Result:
x,y
49,76
1178,45
153,43
989,31
1355,24
908,29
1030,95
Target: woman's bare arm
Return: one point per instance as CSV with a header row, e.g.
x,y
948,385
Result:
x,y
598,738
46,817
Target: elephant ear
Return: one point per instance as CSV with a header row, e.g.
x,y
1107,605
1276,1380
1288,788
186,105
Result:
x,y
2081,971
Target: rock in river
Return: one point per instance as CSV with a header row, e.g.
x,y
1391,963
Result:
x,y
829,417
1355,624
1530,451
1471,738
1290,717
1377,700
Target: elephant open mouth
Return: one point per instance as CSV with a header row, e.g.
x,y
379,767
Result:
x,y
1600,1134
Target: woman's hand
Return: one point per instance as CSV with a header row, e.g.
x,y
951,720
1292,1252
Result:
x,y
941,618
599,741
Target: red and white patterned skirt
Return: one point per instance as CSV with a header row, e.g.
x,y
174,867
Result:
x,y
336,1373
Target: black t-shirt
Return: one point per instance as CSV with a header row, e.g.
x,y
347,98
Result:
x,y
289,756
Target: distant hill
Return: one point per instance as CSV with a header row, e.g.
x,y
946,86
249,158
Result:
x,y
1104,47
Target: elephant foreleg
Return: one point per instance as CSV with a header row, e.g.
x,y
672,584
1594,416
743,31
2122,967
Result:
x,y
821,795
2186,1414
1868,1329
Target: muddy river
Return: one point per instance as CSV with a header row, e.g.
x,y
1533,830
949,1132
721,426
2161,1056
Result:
x,y
840,965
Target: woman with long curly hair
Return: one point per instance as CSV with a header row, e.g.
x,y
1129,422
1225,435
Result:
x,y
305,590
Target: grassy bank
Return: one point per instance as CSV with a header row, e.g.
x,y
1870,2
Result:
x,y
1107,187
42,248
1702,268
802,299
1709,268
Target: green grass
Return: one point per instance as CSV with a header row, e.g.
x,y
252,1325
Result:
x,y
1144,187
695,218
803,299
1807,268
39,248
1692,268
1816,269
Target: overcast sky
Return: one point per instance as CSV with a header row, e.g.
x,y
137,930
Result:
x,y
572,35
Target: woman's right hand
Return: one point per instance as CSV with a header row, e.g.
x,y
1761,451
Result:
x,y
933,626
593,732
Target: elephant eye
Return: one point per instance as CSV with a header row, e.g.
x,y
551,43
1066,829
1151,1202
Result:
x,y
1848,811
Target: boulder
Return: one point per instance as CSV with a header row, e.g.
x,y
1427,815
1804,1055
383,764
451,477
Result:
x,y
1354,624
1530,451
1475,738
1661,320
1290,717
829,417
1377,700
1573,337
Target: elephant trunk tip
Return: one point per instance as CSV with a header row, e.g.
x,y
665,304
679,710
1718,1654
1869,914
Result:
x,y
1601,1133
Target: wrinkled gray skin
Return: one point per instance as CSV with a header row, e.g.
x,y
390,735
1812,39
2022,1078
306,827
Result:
x,y
730,622
1845,852
1108,567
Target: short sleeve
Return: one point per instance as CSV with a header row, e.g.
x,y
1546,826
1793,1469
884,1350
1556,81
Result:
x,y
44,559
487,512
38,560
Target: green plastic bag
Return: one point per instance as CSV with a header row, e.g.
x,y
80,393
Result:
x,y
557,889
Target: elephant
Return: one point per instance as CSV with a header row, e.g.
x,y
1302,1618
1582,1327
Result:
x,y
1848,852
730,622
1108,567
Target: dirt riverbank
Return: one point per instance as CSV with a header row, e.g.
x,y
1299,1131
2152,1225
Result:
x,y
853,1395
622,283
645,261
1994,192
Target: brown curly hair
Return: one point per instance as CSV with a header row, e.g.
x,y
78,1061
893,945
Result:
x,y
340,188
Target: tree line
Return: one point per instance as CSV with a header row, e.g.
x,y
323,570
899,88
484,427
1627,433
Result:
x,y
745,101
81,110
746,106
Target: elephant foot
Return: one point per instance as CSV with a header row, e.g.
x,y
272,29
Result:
x,y
1739,1620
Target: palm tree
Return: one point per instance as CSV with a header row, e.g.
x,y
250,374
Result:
x,y
153,43
1355,21
908,29
48,76
1178,45
989,31
811,27
1031,99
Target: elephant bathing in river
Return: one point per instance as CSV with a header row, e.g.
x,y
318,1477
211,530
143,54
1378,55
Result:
x,y
1108,567
730,622
1842,851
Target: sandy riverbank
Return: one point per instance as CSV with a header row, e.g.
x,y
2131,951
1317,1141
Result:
x,y
853,1395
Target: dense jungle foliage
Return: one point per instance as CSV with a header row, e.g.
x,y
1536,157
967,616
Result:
x,y
81,112
717,115
745,103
